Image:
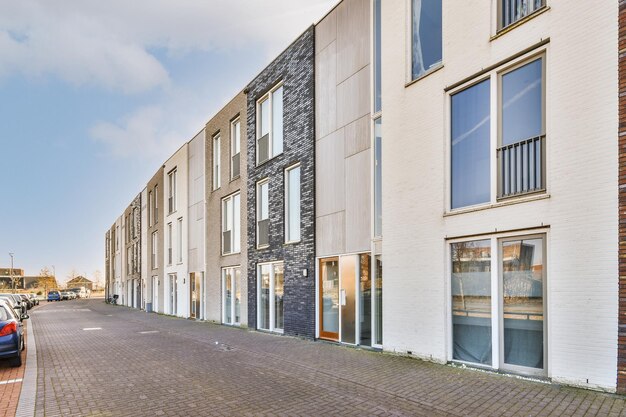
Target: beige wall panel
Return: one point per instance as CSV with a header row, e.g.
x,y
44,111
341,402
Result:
x,y
326,91
325,32
329,174
329,236
353,37
358,202
353,97
357,136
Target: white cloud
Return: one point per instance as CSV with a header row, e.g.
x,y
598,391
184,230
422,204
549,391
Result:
x,y
107,43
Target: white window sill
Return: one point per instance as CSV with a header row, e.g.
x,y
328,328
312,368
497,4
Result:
x,y
507,202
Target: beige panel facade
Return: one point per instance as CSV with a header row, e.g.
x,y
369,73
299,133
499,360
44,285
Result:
x,y
222,124
155,234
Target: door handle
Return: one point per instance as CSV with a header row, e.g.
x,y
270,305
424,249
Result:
x,y
342,295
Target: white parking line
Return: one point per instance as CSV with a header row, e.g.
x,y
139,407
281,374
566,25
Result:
x,y
92,328
10,381
149,331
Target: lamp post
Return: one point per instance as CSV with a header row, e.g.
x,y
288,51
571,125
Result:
x,y
11,272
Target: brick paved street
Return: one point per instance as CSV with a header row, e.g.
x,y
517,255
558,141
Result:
x,y
140,364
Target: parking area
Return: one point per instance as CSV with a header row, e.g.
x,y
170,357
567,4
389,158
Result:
x,y
98,359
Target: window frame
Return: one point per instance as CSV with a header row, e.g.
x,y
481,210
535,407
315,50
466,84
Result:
x,y
235,145
500,28
216,165
493,75
172,179
234,287
269,95
497,291
180,240
272,292
259,185
411,78
154,253
170,255
156,204
224,204
287,218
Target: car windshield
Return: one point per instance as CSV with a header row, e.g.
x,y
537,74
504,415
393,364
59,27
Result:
x,y
53,293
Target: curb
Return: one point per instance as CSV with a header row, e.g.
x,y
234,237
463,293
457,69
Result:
x,y
28,394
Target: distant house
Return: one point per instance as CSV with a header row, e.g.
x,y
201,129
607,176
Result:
x,y
80,281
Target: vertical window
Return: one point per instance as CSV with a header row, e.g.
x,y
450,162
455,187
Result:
x,y
263,213
156,204
471,301
513,10
235,148
155,242
271,282
216,161
377,58
171,191
470,142
426,36
521,152
231,230
169,243
150,210
270,125
378,301
231,295
292,204
378,178
180,240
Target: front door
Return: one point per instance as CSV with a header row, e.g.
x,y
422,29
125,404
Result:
x,y
193,296
329,299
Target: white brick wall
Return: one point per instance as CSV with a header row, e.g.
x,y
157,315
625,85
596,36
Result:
x,y
581,211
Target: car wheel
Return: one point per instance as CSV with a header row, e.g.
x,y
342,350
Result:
x,y
17,361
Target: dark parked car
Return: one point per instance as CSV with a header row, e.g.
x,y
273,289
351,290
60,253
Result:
x,y
54,295
27,300
11,335
34,298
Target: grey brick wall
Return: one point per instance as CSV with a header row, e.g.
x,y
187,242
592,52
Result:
x,y
295,68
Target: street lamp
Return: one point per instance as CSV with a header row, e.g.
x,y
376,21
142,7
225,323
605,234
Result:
x,y
11,272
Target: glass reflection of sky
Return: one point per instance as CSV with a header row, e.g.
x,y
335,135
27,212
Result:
x,y
522,103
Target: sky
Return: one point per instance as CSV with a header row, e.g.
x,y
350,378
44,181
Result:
x,y
96,95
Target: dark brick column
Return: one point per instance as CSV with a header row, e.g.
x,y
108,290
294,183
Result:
x,y
621,346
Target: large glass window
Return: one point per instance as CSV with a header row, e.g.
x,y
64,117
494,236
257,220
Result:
x,y
378,178
155,243
521,152
171,197
180,240
523,269
231,295
263,214
217,154
169,244
378,301
231,230
377,57
471,301
156,203
426,36
271,290
270,125
470,135
292,204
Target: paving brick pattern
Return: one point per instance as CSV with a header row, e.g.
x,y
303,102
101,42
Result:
x,y
10,391
184,367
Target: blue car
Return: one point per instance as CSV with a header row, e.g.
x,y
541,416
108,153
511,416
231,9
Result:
x,y
11,335
54,295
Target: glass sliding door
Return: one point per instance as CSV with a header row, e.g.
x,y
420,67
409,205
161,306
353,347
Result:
x,y
231,295
378,301
365,301
347,265
271,290
329,298
471,301
522,269
237,292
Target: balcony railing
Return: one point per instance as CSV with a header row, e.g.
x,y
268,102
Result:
x,y
264,233
236,164
514,10
263,148
521,167
226,247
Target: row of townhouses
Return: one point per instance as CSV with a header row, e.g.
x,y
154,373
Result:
x,y
431,178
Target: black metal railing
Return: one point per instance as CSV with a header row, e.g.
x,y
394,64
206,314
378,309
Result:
x,y
521,167
514,10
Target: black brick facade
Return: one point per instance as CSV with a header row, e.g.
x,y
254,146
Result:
x,y
295,68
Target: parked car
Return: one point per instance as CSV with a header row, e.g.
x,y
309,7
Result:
x,y
11,335
26,299
79,291
11,302
19,303
54,295
65,295
34,298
